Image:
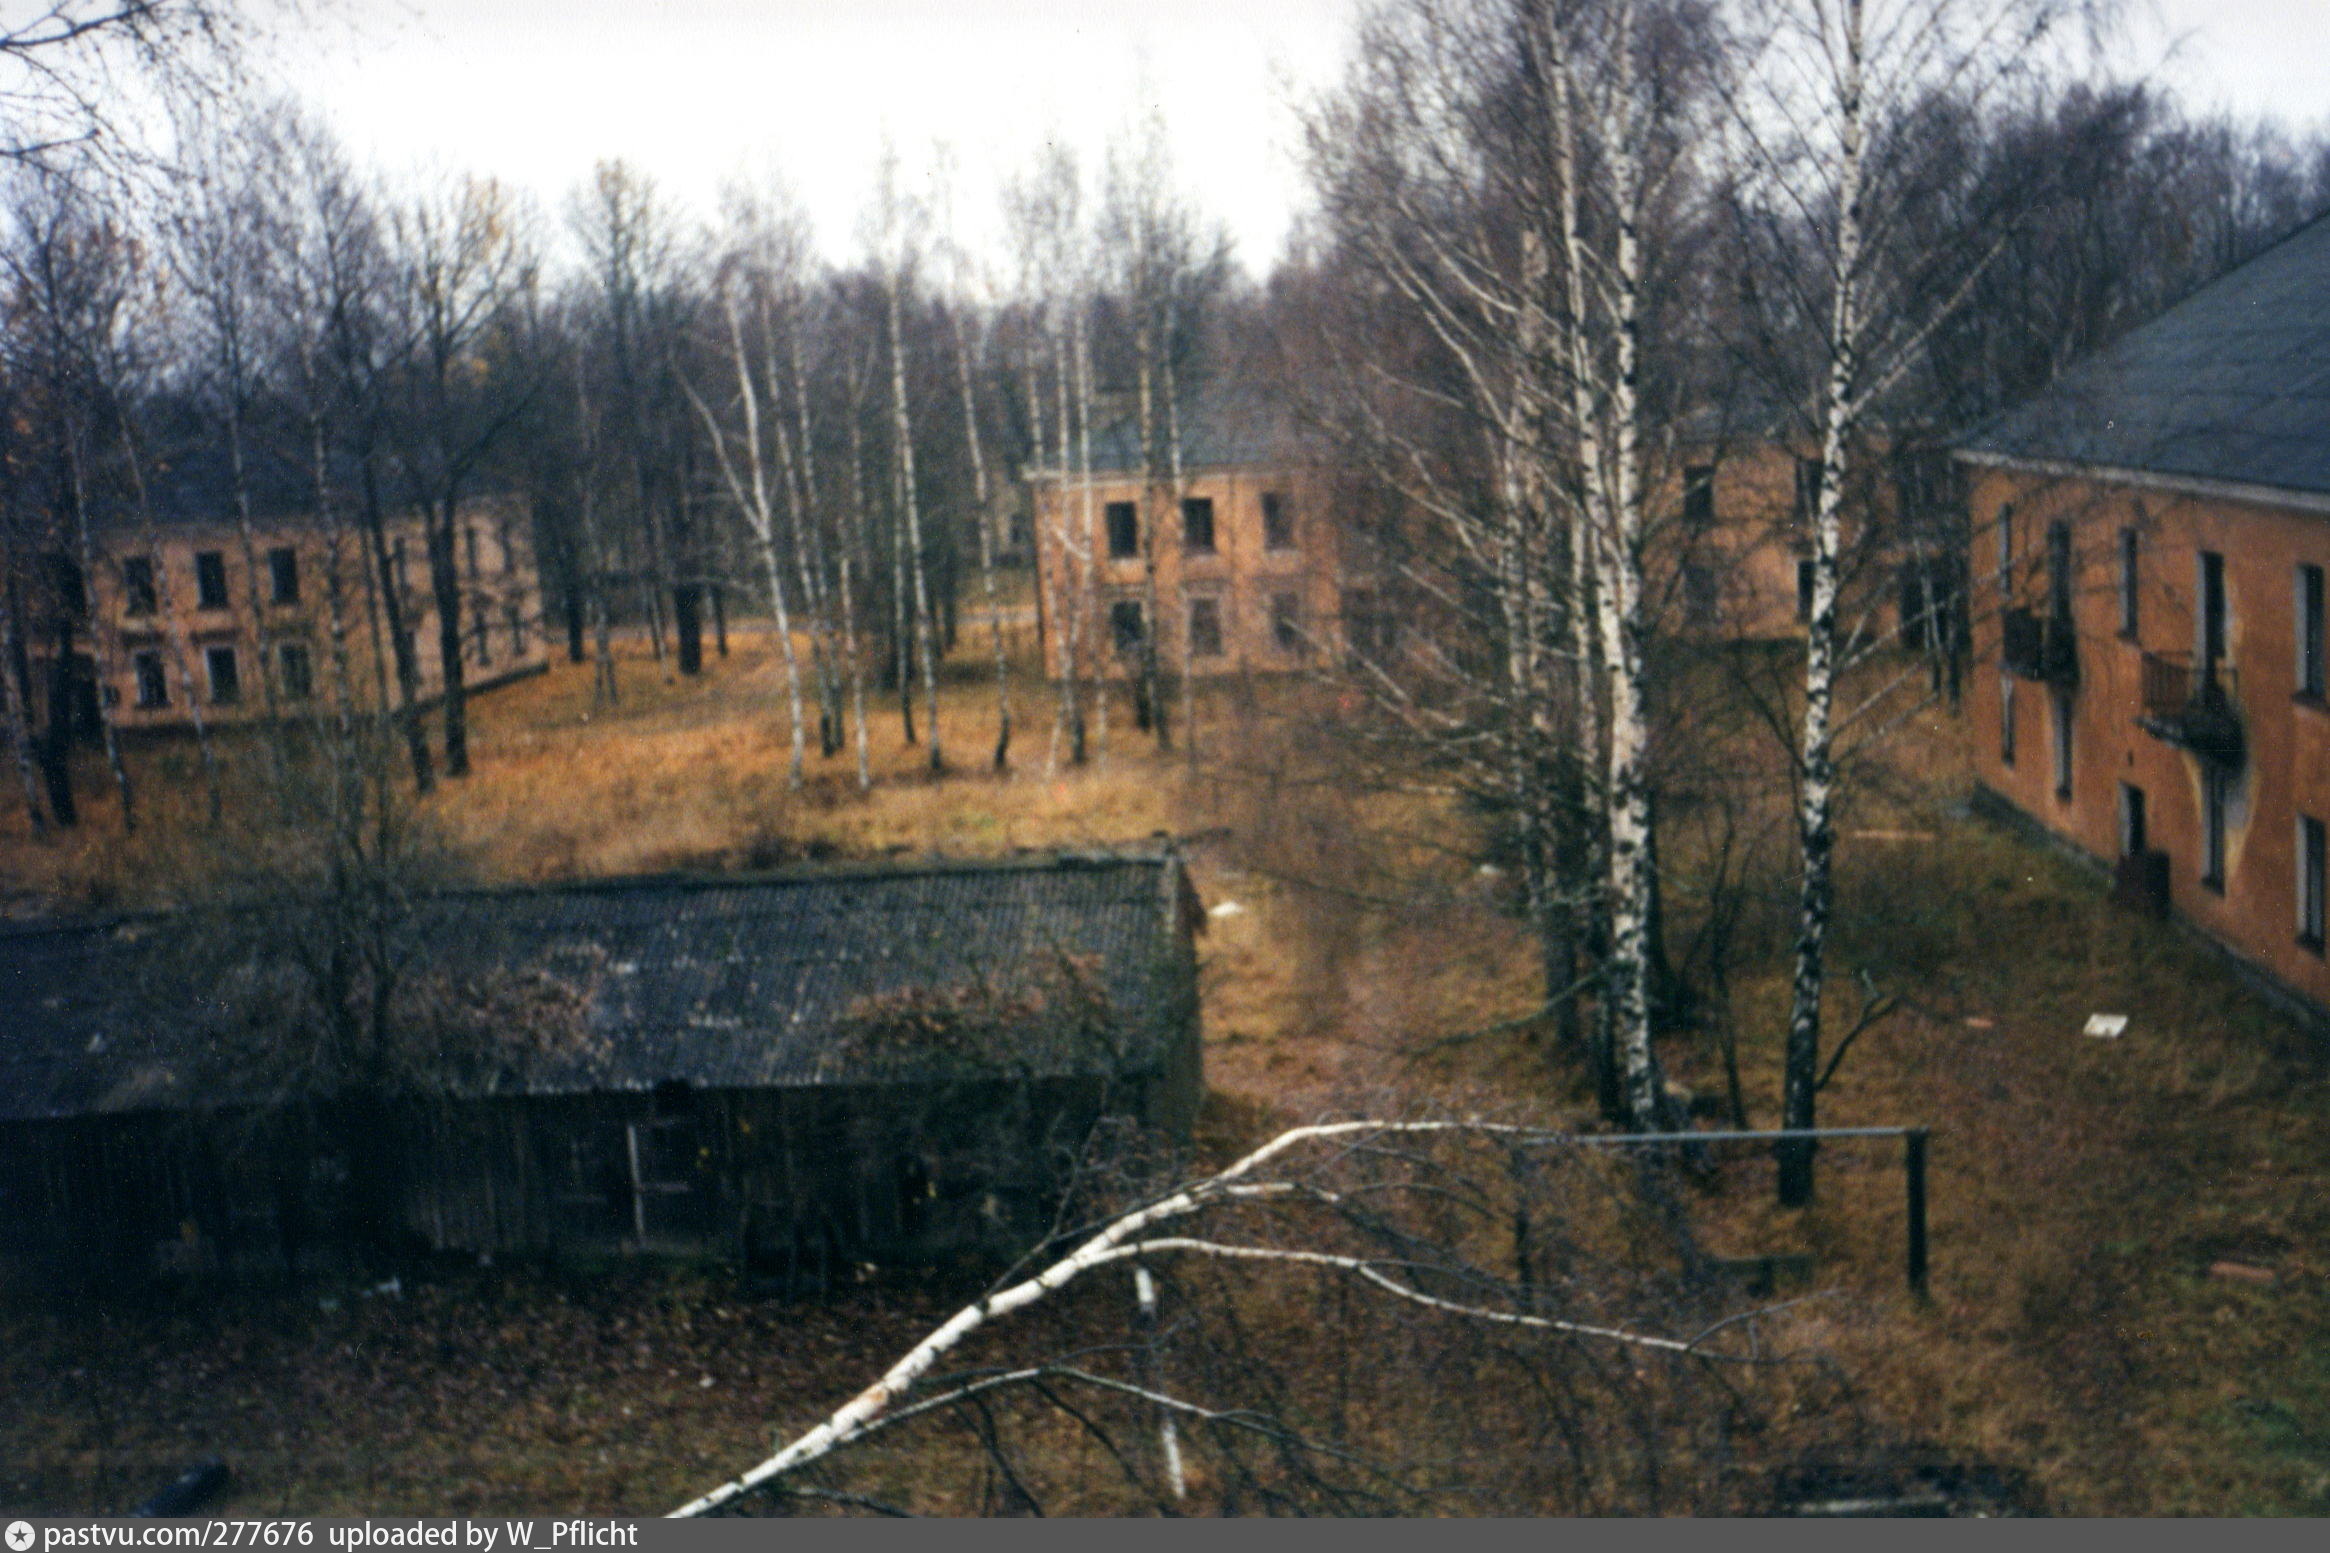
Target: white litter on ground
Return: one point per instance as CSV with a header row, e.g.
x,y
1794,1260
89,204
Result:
x,y
1227,909
2106,1026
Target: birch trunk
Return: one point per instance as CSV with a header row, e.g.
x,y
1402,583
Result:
x,y
902,433
18,715
981,515
1815,818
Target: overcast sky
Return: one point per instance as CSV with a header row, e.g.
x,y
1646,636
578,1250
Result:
x,y
696,91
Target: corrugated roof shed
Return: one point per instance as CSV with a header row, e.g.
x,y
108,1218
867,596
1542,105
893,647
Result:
x,y
743,981
2231,385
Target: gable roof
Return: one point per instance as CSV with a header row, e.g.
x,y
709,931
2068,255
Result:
x,y
2231,385
720,982
1221,428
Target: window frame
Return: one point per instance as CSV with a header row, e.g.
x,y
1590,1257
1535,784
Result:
x,y
2306,630
1197,512
2214,800
1124,542
2312,879
141,661
141,590
226,689
210,566
1278,535
283,575
297,684
1211,606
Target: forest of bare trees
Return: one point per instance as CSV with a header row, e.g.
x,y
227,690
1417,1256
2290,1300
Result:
x,y
1549,236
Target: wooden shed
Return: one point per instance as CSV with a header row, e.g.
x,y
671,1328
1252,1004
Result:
x,y
799,1071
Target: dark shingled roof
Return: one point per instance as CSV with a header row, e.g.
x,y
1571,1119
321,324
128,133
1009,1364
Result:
x,y
1223,428
2232,384
740,981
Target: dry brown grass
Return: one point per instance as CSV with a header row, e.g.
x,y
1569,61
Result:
x,y
2082,1188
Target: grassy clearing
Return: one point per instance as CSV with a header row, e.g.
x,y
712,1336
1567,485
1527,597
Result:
x,y
2083,1190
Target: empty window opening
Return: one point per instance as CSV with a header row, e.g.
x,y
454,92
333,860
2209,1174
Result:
x,y
1277,522
2312,865
2213,800
1124,625
283,574
210,579
153,680
2214,614
1699,496
1197,524
295,670
226,675
2309,631
1286,622
1205,628
1124,529
137,586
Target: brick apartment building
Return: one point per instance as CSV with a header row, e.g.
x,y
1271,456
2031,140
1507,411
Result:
x,y
1253,575
189,610
1738,567
2152,535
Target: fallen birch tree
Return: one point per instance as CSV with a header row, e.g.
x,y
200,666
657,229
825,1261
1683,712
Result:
x,y
1460,1228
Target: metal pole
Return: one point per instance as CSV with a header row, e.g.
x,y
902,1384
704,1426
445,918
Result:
x,y
1913,1170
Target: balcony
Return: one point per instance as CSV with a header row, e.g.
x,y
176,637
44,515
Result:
x,y
2195,705
2040,647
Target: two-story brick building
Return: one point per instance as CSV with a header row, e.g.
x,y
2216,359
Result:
x,y
2152,535
191,609
1253,571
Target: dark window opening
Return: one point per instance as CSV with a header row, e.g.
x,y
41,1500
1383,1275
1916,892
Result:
x,y
478,632
2135,835
1699,496
1286,622
2059,570
2214,615
210,579
1808,482
1125,626
1124,529
1702,593
2213,800
1277,522
283,574
1197,524
2312,866
2006,555
226,676
1205,628
2006,719
1804,580
139,596
153,680
2131,583
2061,702
295,670
517,618
2309,631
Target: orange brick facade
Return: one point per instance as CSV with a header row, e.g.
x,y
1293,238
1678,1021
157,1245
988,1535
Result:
x,y
193,602
2151,680
1250,572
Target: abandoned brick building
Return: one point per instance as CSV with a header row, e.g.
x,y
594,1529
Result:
x,y
188,615
1256,572
2152,534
